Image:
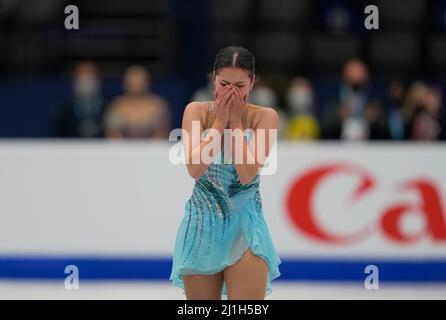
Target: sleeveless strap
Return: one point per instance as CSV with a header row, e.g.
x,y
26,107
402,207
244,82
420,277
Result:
x,y
211,107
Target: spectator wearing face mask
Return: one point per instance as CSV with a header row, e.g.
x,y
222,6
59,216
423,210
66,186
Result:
x,y
354,95
302,123
345,119
354,89
81,117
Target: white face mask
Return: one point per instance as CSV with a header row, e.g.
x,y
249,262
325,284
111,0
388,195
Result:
x,y
300,100
263,96
86,86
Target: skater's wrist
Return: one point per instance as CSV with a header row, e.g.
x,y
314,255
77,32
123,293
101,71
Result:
x,y
218,125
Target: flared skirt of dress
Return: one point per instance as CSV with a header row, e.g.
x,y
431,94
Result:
x,y
207,242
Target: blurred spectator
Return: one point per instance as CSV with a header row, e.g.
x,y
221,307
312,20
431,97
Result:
x,y
204,93
138,113
81,117
426,121
345,120
354,90
413,101
302,123
263,94
396,93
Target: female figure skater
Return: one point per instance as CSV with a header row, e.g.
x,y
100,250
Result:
x,y
223,245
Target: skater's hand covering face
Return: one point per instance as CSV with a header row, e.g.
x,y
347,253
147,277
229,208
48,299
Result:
x,y
237,108
232,86
224,101
230,75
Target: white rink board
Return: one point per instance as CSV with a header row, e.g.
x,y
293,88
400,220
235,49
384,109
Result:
x,y
127,199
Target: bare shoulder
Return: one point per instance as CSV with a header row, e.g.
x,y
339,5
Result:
x,y
263,115
196,110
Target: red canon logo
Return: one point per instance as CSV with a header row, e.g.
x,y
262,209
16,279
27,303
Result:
x,y
300,209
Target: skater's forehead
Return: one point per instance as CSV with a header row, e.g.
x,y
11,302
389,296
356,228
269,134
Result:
x,y
233,75
232,80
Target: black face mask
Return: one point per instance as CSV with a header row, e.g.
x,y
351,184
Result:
x,y
357,86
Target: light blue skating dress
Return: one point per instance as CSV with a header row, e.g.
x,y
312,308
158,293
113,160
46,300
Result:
x,y
222,219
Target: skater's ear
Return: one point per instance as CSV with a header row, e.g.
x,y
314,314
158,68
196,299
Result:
x,y
254,80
